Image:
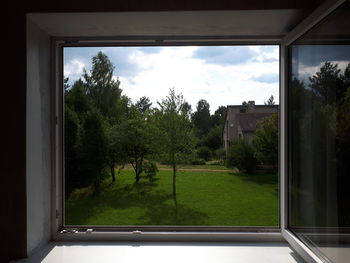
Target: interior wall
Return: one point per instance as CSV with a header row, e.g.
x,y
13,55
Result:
x,y
38,137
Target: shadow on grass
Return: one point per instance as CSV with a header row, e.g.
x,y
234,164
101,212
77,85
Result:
x,y
157,205
260,179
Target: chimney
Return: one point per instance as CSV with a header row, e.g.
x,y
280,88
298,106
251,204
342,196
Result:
x,y
251,106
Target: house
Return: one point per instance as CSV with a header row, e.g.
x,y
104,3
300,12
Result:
x,y
242,120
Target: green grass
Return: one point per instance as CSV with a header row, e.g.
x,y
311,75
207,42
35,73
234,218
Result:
x,y
204,199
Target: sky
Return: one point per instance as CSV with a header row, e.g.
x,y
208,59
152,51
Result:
x,y
222,75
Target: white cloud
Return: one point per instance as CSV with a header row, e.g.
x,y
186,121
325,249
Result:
x,y
73,69
175,67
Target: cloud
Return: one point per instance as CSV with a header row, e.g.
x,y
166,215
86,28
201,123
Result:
x,y
123,58
74,69
225,55
314,55
268,49
267,78
150,50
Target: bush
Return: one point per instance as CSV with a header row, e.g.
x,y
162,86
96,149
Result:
x,y
220,154
150,169
198,162
204,152
241,156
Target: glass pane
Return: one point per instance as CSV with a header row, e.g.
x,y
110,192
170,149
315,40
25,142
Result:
x,y
171,136
320,137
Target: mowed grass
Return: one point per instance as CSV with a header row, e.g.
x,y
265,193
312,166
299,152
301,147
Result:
x,y
205,198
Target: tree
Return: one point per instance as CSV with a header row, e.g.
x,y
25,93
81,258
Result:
x,y
139,139
102,89
72,131
265,141
201,118
143,104
327,84
94,148
176,133
116,150
241,156
218,118
270,101
77,99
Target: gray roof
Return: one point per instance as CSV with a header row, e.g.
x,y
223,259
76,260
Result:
x,y
249,121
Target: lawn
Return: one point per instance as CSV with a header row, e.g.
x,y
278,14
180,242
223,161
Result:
x,y
205,198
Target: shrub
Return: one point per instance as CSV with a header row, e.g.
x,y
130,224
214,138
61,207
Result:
x,y
241,156
150,169
204,152
198,162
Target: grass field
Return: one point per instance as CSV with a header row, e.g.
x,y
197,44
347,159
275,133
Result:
x,y
205,198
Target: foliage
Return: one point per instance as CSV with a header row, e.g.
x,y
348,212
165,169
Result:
x,y
270,101
72,131
201,118
139,134
265,141
103,90
175,132
241,156
218,118
143,104
150,169
116,154
213,140
94,148
203,152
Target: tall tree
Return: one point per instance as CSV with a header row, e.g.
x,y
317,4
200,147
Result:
x,y
138,135
218,118
176,133
102,88
265,141
94,147
116,154
201,118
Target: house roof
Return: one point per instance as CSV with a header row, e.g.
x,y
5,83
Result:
x,y
249,121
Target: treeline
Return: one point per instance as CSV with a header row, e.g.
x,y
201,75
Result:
x,y
104,130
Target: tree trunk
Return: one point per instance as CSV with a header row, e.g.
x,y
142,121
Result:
x,y
113,172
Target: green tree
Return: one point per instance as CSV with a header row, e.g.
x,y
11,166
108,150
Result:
x,y
143,104
265,141
218,118
175,132
116,150
77,99
102,89
138,135
94,148
201,118
72,131
241,156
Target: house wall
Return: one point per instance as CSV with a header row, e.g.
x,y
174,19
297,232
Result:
x,y
38,138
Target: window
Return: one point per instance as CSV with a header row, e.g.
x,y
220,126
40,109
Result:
x,y
319,92
143,137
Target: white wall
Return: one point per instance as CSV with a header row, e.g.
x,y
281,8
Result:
x,y
38,137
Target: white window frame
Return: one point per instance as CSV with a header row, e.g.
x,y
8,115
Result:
x,y
239,234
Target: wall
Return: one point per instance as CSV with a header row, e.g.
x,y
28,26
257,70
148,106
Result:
x,y
38,137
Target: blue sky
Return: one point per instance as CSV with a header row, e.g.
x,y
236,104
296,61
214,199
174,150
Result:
x,y
223,75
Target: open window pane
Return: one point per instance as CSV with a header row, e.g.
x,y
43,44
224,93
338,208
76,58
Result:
x,y
171,136
320,137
